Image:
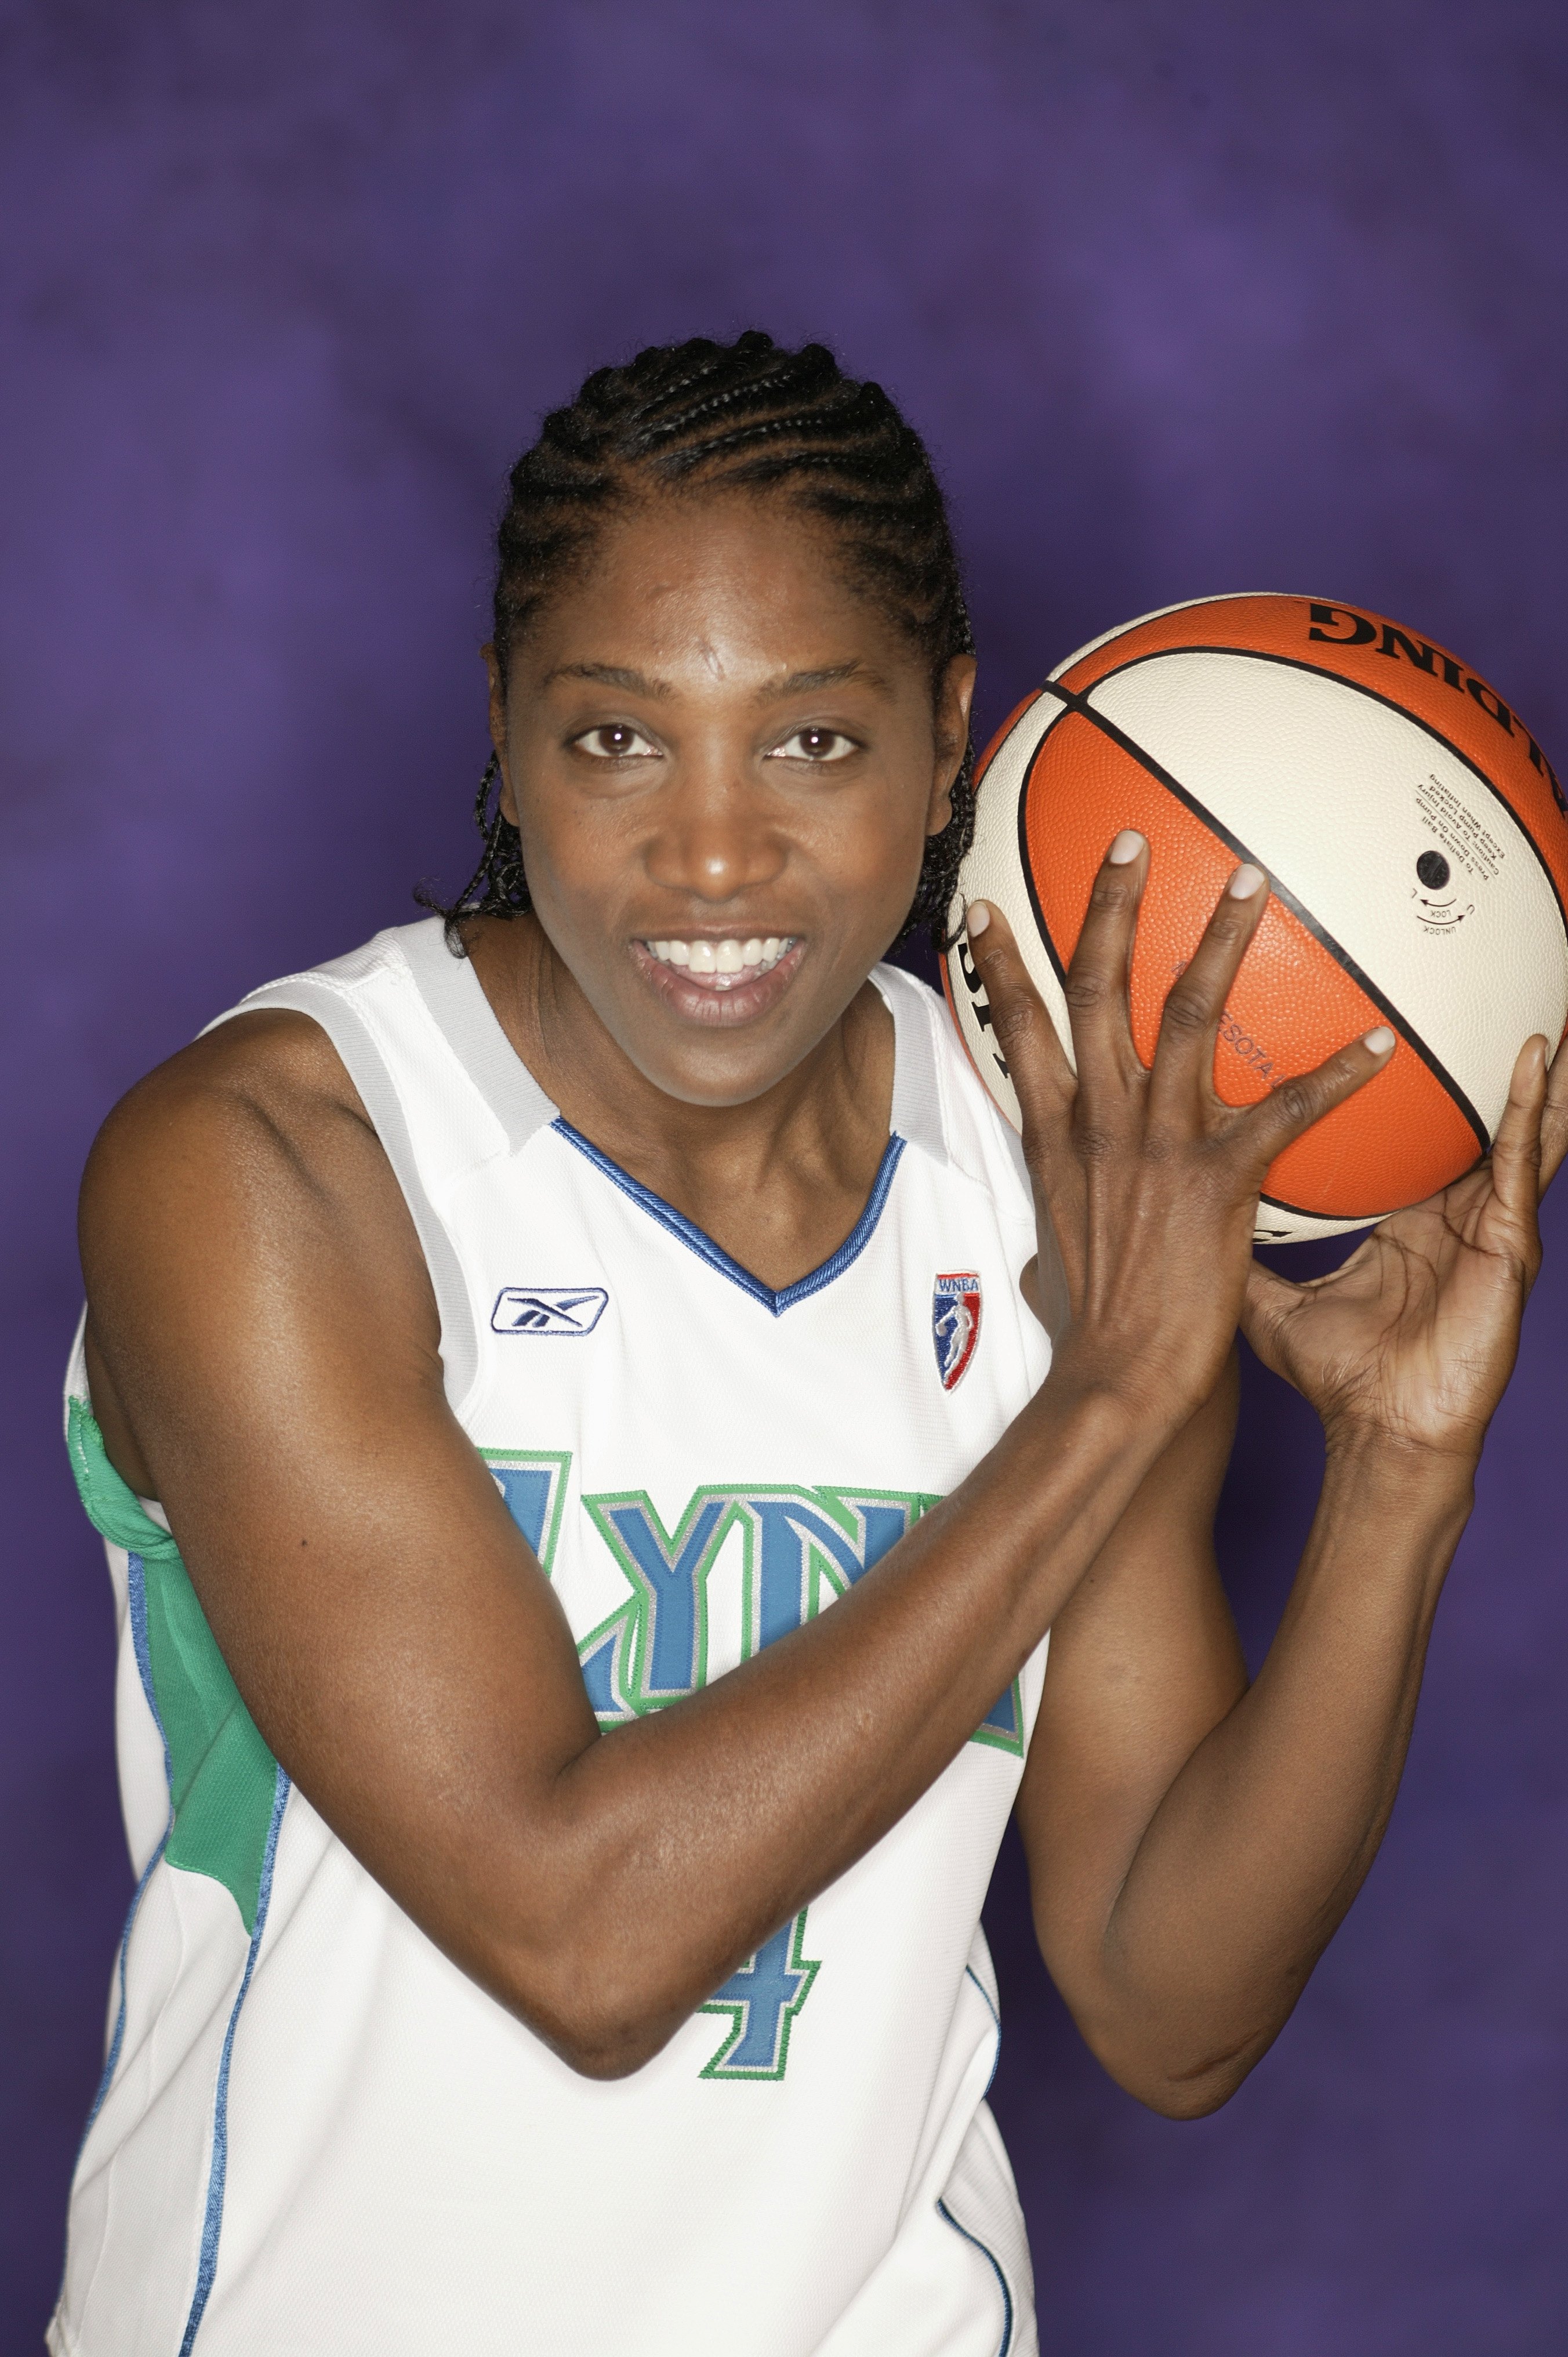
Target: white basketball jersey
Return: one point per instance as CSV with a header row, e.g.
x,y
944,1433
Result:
x,y
314,2137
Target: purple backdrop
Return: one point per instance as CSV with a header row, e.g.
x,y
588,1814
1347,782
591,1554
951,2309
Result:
x,y
1188,299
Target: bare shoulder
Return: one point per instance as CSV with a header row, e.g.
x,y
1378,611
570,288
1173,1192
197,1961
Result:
x,y
235,1203
261,1107
274,1070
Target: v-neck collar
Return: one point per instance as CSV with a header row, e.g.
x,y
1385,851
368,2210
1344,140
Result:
x,y
697,1239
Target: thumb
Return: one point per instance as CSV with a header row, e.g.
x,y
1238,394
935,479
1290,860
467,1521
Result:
x,y
1269,1302
1516,1147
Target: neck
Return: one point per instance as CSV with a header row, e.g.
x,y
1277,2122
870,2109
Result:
x,y
825,1123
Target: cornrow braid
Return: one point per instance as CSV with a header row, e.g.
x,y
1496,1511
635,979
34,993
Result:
x,y
747,414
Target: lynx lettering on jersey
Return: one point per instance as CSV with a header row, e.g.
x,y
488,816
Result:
x,y
798,1549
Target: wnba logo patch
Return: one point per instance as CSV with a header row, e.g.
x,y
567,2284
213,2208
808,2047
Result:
x,y
955,1324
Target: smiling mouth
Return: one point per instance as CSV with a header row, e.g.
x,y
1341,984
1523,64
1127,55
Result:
x,y
711,983
721,967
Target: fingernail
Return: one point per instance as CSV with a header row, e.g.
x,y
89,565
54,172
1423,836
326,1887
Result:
x,y
1245,882
978,918
1126,847
1379,1040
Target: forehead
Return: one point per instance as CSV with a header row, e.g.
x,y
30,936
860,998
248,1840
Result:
x,y
734,582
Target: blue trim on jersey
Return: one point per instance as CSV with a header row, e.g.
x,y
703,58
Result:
x,y
212,2218
137,1599
694,1237
995,2017
984,2248
136,1603
106,2081
986,1993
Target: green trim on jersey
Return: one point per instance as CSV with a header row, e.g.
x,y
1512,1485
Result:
x,y
222,1778
1000,1739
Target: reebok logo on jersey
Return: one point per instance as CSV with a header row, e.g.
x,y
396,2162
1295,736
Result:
x,y
548,1309
955,1324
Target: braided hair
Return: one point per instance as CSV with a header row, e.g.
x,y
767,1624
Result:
x,y
747,414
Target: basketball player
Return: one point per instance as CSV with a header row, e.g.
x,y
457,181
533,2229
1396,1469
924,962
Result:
x,y
557,1928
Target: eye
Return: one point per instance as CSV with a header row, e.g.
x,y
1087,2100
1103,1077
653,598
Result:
x,y
615,740
814,745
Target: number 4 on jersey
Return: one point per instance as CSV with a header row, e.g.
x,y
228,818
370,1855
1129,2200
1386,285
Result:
x,y
763,1998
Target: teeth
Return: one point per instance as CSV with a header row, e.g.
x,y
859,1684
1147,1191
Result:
x,y
728,962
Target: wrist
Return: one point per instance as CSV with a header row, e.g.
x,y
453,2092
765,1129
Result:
x,y
1417,1475
1109,1395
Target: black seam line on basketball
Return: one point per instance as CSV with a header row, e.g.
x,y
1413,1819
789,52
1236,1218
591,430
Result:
x,y
1024,862
1341,957
1079,699
1355,1219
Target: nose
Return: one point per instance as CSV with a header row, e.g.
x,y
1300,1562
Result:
x,y
715,840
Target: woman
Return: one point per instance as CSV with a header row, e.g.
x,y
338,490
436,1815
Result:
x,y
558,1931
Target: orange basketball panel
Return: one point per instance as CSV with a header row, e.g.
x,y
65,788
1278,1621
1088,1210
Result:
x,y
1292,1004
1421,678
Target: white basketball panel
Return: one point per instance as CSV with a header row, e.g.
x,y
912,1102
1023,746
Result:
x,y
994,871
1276,1226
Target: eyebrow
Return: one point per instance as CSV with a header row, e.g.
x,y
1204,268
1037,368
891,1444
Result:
x,y
636,682
807,682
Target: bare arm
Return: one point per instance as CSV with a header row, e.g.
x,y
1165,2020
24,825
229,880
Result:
x,y
1193,1845
1193,1842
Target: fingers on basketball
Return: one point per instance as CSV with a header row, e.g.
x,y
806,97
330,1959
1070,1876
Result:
x,y
1293,1106
1037,1062
1196,1001
1099,978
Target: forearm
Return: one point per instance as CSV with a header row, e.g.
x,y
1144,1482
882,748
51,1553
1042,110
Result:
x,y
663,1854
1264,1838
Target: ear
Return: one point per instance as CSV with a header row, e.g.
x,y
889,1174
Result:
x,y
954,697
508,804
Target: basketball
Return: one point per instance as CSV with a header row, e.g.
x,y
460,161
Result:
x,y
1416,839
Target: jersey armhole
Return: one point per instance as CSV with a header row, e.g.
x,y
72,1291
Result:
x,y
327,1004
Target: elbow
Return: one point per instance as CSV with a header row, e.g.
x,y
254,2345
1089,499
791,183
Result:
x,y
1180,2051
1184,2099
600,2025
1170,2078
597,2050
576,1960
